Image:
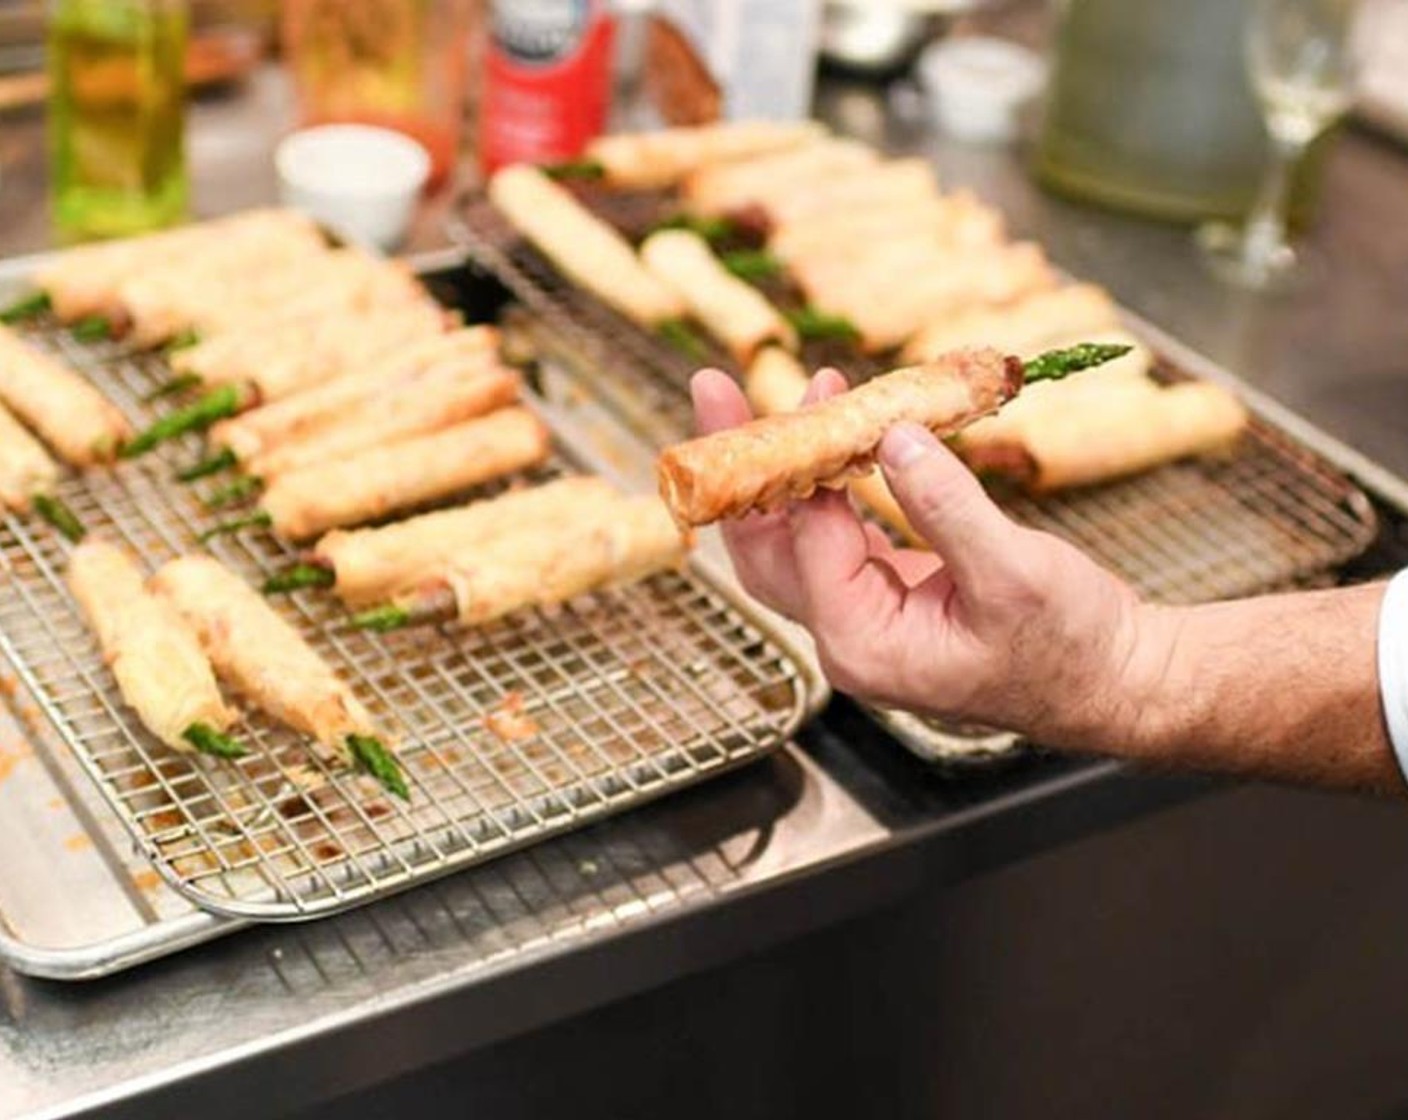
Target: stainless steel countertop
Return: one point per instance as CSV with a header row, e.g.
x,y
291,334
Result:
x,y
811,836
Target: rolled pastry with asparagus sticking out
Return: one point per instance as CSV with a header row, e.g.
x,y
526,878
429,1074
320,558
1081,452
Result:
x,y
379,481
26,469
57,404
627,539
733,311
152,652
768,462
371,565
651,160
268,661
583,247
262,428
776,382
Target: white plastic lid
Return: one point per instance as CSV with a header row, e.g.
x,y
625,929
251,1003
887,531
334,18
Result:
x,y
979,85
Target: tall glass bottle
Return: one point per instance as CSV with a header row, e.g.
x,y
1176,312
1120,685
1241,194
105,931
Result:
x,y
117,115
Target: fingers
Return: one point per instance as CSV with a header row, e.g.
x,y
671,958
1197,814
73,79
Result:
x,y
912,565
946,504
718,402
832,554
826,383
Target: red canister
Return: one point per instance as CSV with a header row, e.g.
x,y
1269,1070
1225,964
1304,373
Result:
x,y
547,80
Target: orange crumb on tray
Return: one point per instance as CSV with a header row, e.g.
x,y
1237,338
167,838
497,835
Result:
x,y
78,842
509,722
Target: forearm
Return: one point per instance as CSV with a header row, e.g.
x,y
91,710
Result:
x,y
1282,687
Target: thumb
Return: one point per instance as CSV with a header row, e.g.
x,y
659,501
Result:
x,y
946,504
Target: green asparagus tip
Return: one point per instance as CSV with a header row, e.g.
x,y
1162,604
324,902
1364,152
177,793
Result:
x,y
241,489
680,335
196,416
382,619
751,264
173,388
298,577
258,519
710,229
574,169
58,515
1056,364
27,307
183,341
813,325
222,460
209,741
91,328
373,758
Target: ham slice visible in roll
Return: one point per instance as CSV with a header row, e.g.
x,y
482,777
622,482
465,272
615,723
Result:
x,y
55,402
26,468
652,160
584,248
770,461
381,480
734,312
151,651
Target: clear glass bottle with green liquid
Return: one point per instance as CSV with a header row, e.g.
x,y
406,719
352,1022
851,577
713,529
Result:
x,y
117,115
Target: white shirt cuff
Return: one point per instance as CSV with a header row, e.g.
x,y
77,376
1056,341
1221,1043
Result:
x,y
1393,665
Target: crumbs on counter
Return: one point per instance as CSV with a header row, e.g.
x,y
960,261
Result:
x,y
11,755
78,842
147,881
509,722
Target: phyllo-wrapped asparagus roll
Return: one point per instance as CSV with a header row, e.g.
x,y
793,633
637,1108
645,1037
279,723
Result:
x,y
66,411
26,468
152,652
651,160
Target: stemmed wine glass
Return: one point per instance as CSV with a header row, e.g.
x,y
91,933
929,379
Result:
x,y
1301,60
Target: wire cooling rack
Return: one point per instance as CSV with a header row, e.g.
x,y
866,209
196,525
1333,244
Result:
x,y
507,733
1271,515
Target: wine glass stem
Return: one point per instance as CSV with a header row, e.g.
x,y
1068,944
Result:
x,y
1266,227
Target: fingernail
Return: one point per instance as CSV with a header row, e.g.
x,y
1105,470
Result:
x,y
904,443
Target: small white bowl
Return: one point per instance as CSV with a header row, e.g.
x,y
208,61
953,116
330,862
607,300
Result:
x,y
979,86
360,181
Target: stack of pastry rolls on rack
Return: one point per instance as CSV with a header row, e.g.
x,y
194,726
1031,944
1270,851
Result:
x,y
47,407
165,642
532,547
787,454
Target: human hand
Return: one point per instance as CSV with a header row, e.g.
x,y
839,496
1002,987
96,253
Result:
x,y
1000,624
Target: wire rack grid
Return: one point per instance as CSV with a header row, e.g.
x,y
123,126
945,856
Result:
x,y
508,733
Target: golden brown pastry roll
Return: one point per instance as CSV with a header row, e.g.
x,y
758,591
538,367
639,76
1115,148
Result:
x,y
1125,428
651,160
630,539
261,655
776,382
57,404
1023,327
756,182
251,433
894,183
372,565
776,459
583,247
956,220
26,468
378,481
428,404
734,312
153,654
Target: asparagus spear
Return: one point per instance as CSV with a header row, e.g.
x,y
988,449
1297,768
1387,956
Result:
x,y
182,341
298,576
680,335
257,519
751,264
173,388
373,758
222,460
215,405
814,325
91,328
587,169
426,607
1056,364
26,307
244,486
712,230
57,514
209,741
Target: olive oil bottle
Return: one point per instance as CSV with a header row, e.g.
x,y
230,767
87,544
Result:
x,y
117,115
